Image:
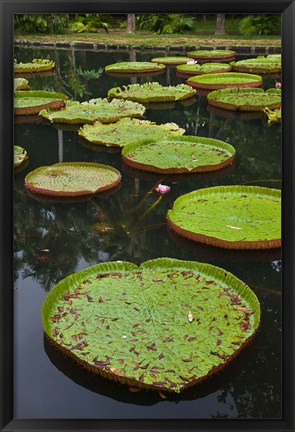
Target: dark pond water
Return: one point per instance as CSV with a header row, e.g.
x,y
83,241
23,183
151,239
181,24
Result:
x,y
53,240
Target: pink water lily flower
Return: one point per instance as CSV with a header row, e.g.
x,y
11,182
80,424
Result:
x,y
278,85
192,62
162,189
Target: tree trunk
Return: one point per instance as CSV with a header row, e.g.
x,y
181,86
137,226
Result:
x,y
131,23
220,24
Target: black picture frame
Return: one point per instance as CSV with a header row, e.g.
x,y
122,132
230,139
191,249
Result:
x,y
8,9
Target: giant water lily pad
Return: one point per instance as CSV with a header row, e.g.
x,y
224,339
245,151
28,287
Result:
x,y
152,92
258,65
171,61
200,69
21,84
177,155
20,155
101,110
221,54
36,65
252,99
134,67
127,131
233,217
164,325
72,179
228,80
31,102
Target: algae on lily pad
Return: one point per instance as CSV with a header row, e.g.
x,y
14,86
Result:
x,y
205,68
165,325
36,65
171,61
246,99
232,217
208,55
30,102
134,67
152,92
21,84
20,155
179,155
264,65
127,131
72,179
101,110
225,80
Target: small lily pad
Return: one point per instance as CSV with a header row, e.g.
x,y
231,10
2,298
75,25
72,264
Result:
x,y
152,92
127,131
252,99
72,179
20,155
228,80
101,110
205,68
273,116
31,102
264,65
232,217
36,65
212,54
134,67
171,61
21,84
165,325
179,155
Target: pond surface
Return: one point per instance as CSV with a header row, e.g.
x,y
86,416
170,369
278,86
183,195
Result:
x,y
53,240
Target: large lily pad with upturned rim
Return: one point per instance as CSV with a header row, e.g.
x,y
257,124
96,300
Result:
x,y
246,99
127,131
233,217
134,67
30,102
258,65
171,61
101,110
36,65
21,84
152,92
72,179
228,80
20,155
205,68
203,54
165,325
179,155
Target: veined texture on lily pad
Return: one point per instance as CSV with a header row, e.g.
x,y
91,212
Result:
x,y
165,325
134,67
127,131
232,217
225,80
31,102
20,155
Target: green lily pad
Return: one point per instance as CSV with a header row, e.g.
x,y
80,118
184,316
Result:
x,y
164,325
228,80
212,54
232,217
274,56
101,110
20,155
72,179
152,92
36,65
127,131
134,67
171,61
31,102
258,65
205,68
245,99
177,155
21,84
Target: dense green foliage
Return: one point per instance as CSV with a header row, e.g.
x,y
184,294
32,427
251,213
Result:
x,y
165,23
260,24
37,23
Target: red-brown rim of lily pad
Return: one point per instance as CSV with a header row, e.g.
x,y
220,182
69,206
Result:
x,y
256,69
220,56
213,99
214,241
55,104
222,86
230,114
185,74
176,140
82,192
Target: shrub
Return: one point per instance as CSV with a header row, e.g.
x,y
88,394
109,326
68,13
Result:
x,y
37,23
89,23
260,25
165,23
